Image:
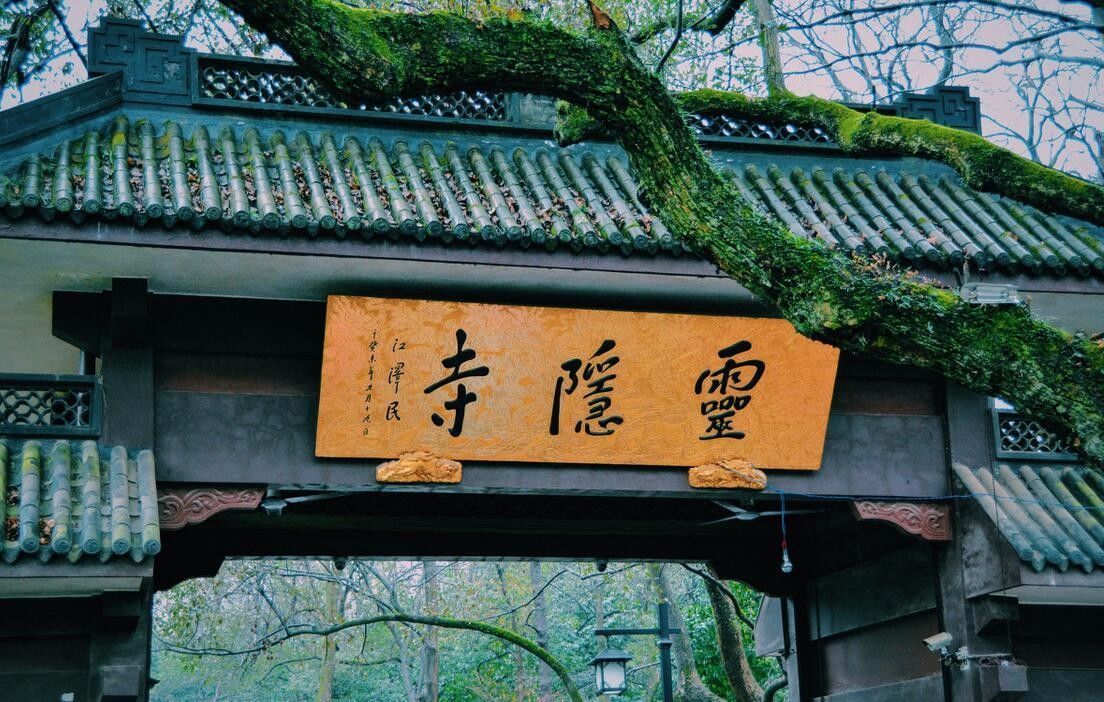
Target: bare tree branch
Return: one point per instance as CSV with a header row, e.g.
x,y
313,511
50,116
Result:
x,y
444,622
713,21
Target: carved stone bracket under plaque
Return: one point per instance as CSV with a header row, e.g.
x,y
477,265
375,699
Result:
x,y
732,473
419,467
929,521
179,507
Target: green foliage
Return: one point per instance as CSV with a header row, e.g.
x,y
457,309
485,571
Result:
x,y
249,601
703,636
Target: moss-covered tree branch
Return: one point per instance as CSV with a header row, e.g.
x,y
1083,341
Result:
x,y
982,164
996,350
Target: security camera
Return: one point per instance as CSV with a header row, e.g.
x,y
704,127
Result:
x,y
601,564
939,643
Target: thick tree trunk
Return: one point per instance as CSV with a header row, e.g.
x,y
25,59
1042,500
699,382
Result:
x,y
771,46
852,304
405,664
730,644
946,44
429,681
690,686
540,624
330,588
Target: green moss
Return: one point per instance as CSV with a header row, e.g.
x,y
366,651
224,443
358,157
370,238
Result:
x,y
982,164
574,125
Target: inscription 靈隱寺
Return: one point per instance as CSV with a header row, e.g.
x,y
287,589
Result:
x,y
509,383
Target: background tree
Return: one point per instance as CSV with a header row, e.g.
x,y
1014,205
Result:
x,y
288,630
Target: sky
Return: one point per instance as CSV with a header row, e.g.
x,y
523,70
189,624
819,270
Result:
x,y
1035,111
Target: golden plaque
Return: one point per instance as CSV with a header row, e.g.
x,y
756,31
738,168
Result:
x,y
537,384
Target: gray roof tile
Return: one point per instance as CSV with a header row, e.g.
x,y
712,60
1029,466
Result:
x,y
337,185
1051,515
67,499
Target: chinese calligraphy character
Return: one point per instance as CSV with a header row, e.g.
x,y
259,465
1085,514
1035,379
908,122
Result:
x,y
393,411
463,398
368,388
395,375
728,384
598,396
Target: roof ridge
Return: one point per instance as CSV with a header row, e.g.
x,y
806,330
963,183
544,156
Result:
x,y
297,181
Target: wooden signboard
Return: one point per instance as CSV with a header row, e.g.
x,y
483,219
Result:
x,y
505,383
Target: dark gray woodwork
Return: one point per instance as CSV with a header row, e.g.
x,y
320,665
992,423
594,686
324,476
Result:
x,y
155,67
270,439
925,689
127,367
55,406
1058,636
1064,684
989,561
1003,681
890,587
129,320
952,610
991,613
968,427
122,683
978,560
769,636
878,654
120,657
68,107
477,527
96,646
43,668
799,662
386,249
79,319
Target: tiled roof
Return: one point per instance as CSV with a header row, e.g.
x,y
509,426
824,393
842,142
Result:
x,y
66,499
1052,515
282,183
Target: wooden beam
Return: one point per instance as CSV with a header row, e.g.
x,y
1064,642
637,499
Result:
x,y
127,367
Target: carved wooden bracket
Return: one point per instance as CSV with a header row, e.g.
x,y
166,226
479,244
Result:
x,y
728,473
419,467
179,507
929,521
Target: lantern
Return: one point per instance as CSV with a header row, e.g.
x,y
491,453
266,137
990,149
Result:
x,y
609,671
